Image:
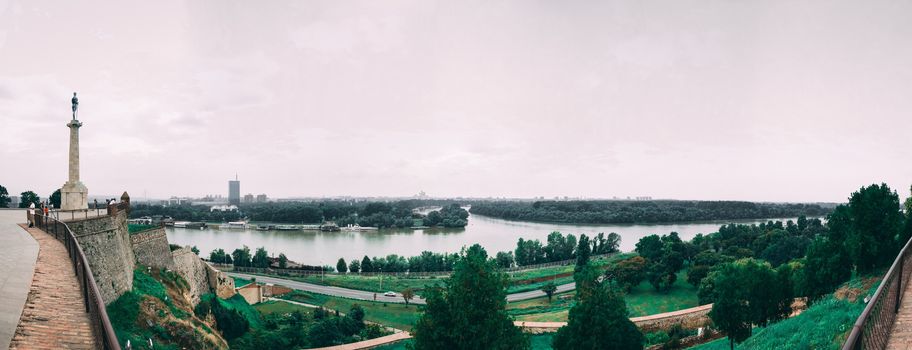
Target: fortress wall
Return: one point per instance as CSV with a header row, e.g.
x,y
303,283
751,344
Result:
x,y
220,283
106,243
151,248
194,270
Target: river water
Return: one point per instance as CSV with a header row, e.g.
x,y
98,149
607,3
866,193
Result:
x,y
314,247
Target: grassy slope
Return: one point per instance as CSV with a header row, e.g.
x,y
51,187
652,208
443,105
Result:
x,y
824,325
158,300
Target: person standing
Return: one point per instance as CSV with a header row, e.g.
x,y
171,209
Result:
x,y
31,215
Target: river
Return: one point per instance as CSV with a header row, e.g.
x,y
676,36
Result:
x,y
314,247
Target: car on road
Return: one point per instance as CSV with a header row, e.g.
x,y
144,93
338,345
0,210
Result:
x,y
389,294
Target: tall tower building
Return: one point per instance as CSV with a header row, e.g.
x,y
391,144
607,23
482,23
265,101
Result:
x,y
234,191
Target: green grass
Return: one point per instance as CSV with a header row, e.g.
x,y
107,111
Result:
x,y
124,312
240,282
824,325
538,285
134,228
280,307
542,341
393,315
539,342
643,300
238,303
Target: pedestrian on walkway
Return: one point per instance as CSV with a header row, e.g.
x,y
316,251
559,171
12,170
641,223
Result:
x,y
31,215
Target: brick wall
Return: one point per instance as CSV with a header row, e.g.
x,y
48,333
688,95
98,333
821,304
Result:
x,y
151,248
106,243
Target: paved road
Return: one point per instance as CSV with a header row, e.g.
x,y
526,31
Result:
x,y
363,295
18,253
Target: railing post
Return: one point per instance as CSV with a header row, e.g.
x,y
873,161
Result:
x,y
85,287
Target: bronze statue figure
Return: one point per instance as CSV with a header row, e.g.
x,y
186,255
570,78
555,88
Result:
x,y
75,105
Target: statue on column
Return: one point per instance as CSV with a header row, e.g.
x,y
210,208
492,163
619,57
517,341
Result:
x,y
75,105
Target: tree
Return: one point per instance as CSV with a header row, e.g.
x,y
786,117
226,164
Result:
x,y
408,294
195,250
55,199
549,290
628,273
261,258
367,265
4,197
458,318
875,227
219,256
341,266
599,322
826,266
354,266
583,252
241,257
29,197
283,261
504,260
747,292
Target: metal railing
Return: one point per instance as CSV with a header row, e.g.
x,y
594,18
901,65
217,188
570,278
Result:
x,y
872,329
94,305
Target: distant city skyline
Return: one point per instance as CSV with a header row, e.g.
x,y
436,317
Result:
x,y
712,100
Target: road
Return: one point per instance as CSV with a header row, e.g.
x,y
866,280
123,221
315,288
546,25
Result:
x,y
364,295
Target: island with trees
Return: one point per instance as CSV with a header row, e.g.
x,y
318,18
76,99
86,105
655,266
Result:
x,y
640,212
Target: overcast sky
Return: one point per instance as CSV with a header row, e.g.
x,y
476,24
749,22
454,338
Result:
x,y
750,100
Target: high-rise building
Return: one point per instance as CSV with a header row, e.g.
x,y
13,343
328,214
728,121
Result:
x,y
248,198
261,198
234,191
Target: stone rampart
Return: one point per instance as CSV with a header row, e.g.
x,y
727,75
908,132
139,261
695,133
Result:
x,y
194,270
151,248
220,283
201,277
106,243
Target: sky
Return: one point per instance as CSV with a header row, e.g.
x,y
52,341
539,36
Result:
x,y
718,100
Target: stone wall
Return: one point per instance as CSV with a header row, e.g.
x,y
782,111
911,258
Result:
x,y
151,248
220,283
194,270
691,318
106,243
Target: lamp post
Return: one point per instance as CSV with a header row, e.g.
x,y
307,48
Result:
x,y
321,271
381,277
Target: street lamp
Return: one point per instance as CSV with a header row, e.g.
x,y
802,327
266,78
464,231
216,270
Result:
x,y
321,271
381,277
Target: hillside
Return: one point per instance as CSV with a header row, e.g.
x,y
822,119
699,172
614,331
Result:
x,y
159,308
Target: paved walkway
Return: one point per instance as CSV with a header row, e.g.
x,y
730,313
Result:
x,y
18,252
54,316
901,335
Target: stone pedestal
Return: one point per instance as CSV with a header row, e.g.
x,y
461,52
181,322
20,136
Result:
x,y
74,195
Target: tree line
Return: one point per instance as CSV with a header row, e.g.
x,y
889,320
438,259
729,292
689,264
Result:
x,y
399,214
628,212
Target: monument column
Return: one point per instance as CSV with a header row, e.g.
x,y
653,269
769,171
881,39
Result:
x,y
74,195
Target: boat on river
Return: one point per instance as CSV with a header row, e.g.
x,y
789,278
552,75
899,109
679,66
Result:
x,y
287,228
358,228
235,225
191,225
